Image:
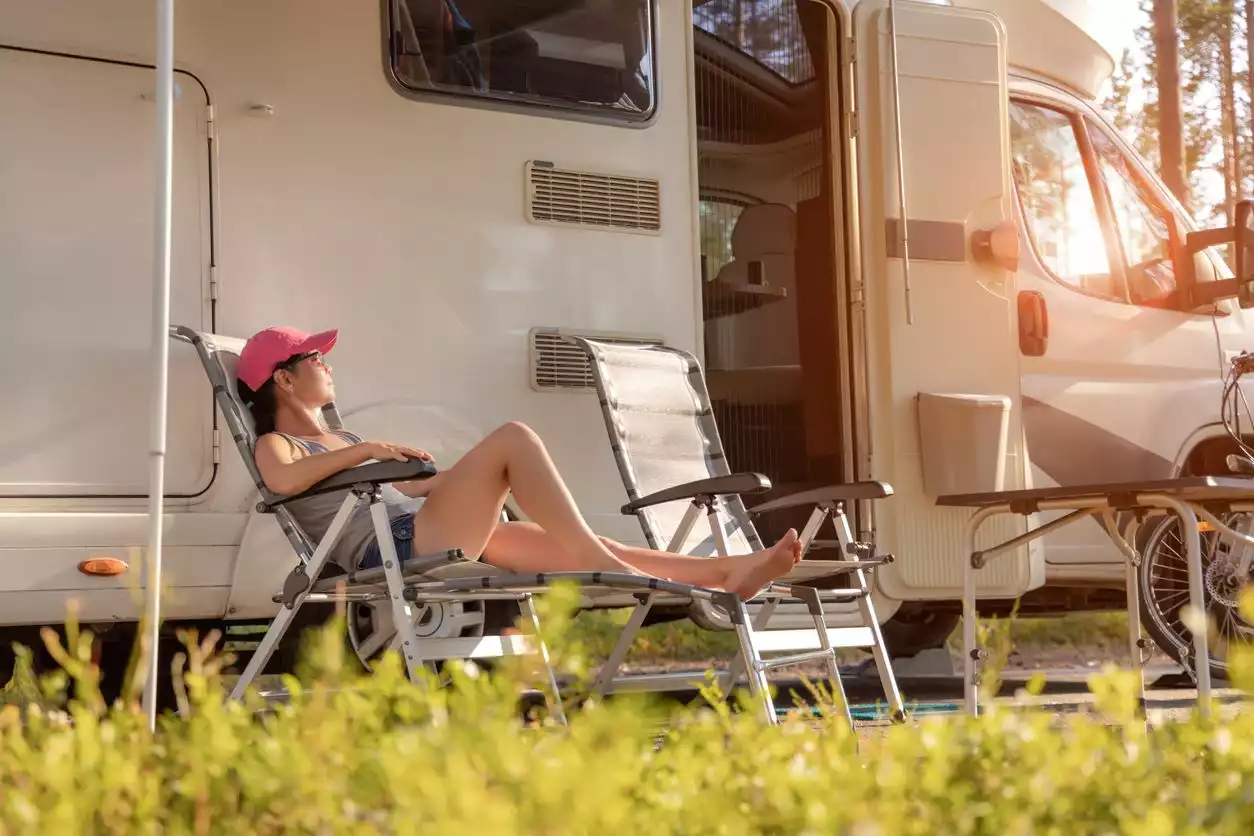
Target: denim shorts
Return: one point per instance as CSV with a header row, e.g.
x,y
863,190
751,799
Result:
x,y
402,536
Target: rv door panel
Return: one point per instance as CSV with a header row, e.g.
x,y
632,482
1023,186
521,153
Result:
x,y
76,229
951,330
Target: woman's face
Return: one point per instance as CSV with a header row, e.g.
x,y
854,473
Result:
x,y
310,381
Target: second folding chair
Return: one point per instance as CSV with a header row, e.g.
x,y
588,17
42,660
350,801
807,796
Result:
x,y
662,431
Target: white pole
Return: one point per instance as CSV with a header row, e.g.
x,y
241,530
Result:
x,y
901,158
163,188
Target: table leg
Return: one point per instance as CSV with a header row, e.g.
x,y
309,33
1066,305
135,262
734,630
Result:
x,y
1136,643
970,682
970,649
1131,560
1193,551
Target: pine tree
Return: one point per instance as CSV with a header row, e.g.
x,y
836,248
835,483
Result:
x,y
1170,122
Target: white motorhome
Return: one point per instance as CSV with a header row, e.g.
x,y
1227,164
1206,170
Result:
x,y
456,184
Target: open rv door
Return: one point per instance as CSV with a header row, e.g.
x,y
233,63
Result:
x,y
947,325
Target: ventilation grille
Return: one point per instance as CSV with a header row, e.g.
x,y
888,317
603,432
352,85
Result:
x,y
559,365
583,198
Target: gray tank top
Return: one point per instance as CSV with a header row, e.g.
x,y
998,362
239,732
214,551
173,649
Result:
x,y
314,514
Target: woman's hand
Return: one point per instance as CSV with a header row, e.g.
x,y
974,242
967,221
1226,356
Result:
x,y
384,451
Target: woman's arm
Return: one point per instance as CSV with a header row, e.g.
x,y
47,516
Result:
x,y
288,476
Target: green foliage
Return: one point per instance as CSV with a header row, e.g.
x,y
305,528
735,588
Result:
x,y
366,755
1208,30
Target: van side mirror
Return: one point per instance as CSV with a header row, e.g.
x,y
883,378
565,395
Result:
x,y
1241,233
1245,253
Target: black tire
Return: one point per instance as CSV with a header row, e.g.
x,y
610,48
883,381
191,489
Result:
x,y
916,627
8,661
112,653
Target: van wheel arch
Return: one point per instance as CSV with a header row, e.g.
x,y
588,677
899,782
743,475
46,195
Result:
x,y
1208,456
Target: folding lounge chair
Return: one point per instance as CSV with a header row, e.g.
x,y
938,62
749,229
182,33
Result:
x,y
444,577
666,443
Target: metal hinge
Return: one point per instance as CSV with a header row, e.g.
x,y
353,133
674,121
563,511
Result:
x,y
213,283
851,58
217,446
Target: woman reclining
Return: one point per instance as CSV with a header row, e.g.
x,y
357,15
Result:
x,y
285,380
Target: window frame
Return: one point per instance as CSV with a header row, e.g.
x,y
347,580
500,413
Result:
x,y
1179,225
595,114
1101,208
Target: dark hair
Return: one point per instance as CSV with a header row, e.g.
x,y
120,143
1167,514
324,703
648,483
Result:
x,y
264,402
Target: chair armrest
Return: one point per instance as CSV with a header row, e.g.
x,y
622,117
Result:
x,y
736,483
845,492
379,473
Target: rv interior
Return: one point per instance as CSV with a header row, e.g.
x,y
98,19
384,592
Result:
x,y
768,256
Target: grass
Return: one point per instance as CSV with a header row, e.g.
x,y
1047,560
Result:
x,y
683,641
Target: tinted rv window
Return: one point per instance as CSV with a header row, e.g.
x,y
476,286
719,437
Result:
x,y
595,56
1057,199
768,31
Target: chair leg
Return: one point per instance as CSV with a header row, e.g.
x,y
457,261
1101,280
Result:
x,y
883,664
815,606
728,680
605,676
402,612
759,685
283,620
527,605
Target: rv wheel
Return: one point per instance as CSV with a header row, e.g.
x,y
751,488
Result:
x,y
1163,579
916,627
371,632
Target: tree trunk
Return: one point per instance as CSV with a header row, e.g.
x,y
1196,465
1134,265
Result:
x,y
1232,141
1249,52
1170,123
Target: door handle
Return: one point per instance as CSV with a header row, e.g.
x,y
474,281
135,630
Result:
x,y
1033,323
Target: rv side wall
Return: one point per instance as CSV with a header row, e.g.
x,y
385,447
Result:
x,y
343,204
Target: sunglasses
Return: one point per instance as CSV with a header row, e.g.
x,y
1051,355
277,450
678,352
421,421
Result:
x,y
295,360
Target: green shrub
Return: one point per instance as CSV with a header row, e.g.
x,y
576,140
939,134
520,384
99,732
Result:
x,y
358,755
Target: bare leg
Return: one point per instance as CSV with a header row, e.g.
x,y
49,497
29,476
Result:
x,y
526,547
464,510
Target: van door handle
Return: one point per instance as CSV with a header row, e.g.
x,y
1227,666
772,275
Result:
x,y
1033,323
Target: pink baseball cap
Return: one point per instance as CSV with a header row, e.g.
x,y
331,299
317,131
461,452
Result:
x,y
266,349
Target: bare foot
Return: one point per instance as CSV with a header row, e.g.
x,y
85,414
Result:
x,y
752,572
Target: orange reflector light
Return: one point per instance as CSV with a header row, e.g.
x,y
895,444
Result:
x,y
105,566
1203,526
